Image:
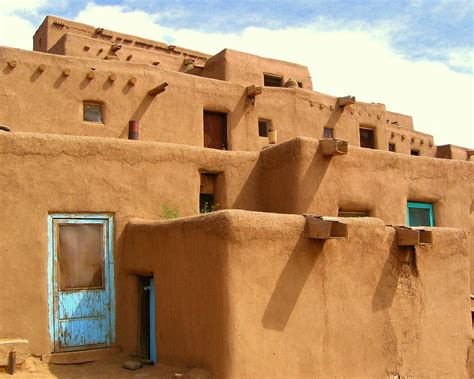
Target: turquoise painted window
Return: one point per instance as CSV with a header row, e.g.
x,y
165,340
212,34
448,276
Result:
x,y
420,214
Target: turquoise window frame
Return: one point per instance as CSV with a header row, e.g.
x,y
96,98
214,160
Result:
x,y
414,204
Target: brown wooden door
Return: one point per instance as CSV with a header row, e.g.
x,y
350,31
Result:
x,y
215,130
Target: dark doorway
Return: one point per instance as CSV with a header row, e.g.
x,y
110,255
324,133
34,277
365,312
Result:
x,y
146,319
215,130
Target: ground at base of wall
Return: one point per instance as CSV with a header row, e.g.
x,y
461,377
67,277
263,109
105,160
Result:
x,y
110,367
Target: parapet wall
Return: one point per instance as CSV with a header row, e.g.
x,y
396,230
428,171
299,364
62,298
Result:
x,y
254,297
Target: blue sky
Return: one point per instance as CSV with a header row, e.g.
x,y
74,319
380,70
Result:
x,y
399,52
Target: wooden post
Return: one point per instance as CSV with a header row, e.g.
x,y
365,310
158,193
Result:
x,y
11,362
346,100
158,89
253,90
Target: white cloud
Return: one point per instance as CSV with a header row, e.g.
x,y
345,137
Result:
x,y
343,59
15,29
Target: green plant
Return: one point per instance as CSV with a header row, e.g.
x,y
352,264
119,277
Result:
x,y
207,208
169,213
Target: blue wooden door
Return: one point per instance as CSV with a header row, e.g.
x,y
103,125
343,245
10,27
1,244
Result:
x,y
81,282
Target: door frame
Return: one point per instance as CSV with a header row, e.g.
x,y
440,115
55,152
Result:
x,y
110,273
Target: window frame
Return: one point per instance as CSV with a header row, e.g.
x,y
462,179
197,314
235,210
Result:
x,y
324,132
268,125
419,205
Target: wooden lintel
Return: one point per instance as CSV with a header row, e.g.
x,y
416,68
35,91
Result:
x,y
346,100
158,89
319,228
253,91
407,236
333,146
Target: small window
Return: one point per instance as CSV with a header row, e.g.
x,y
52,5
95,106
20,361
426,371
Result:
x,y
300,84
263,127
343,213
415,152
93,112
367,138
207,193
270,80
391,147
420,214
328,133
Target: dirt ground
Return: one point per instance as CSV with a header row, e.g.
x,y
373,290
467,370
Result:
x,y
110,367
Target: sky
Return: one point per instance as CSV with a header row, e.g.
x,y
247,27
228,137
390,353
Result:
x,y
415,56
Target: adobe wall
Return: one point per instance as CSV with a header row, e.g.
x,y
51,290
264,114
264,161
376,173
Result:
x,y
41,174
297,178
174,116
54,28
254,297
248,69
80,46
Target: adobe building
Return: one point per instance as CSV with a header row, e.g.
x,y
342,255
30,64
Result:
x,y
219,212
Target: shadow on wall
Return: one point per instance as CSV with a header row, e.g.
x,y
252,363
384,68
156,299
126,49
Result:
x,y
291,282
311,181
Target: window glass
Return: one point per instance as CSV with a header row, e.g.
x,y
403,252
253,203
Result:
x,y
80,255
367,139
272,80
93,112
391,147
328,133
415,152
263,127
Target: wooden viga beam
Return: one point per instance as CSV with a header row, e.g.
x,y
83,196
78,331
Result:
x,y
253,90
346,100
158,89
318,228
407,236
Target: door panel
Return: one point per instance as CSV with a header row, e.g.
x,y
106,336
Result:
x,y
81,282
215,130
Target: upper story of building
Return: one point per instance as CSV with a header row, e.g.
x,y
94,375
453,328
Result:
x,y
93,82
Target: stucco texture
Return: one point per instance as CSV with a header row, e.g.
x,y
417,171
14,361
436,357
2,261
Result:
x,y
247,294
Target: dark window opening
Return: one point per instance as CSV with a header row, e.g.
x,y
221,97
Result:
x,y
343,213
415,152
93,112
328,133
264,126
391,147
270,80
300,84
367,138
206,193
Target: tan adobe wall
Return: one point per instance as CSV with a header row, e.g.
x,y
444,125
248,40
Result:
x,y
296,178
41,174
53,29
399,119
452,152
174,116
248,69
266,301
80,46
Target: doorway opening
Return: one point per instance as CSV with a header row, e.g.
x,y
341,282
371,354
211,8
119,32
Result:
x,y
215,130
146,319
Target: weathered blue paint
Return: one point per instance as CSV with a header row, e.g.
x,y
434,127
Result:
x,y
84,303
74,334
153,355
414,204
81,318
